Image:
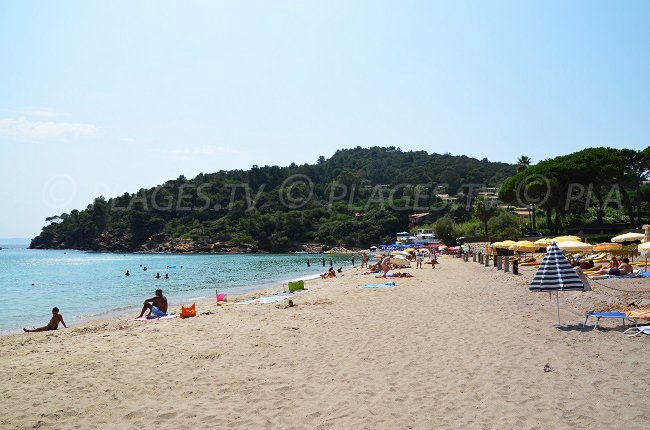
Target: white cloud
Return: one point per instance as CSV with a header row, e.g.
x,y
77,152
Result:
x,y
199,152
22,127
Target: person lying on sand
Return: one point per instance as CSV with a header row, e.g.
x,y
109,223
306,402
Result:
x,y
53,324
156,305
613,269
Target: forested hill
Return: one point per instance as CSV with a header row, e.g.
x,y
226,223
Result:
x,y
355,198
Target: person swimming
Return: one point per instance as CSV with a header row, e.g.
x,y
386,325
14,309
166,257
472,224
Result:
x,y
166,275
127,273
158,275
144,269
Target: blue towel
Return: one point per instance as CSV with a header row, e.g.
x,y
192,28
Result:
x,y
644,275
386,285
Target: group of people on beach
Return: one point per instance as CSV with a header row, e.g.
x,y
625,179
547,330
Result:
x,y
157,306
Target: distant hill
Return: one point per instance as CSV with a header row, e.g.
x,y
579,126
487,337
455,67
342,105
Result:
x,y
357,197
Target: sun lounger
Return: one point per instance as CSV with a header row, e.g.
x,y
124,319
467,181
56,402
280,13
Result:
x,y
599,315
635,331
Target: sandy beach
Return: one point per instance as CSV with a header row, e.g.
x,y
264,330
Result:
x,y
461,346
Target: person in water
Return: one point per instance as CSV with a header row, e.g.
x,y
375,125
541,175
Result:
x,y
308,263
127,273
53,324
158,275
156,305
166,275
144,269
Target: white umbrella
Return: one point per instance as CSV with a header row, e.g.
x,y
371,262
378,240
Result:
x,y
573,246
402,253
400,261
628,237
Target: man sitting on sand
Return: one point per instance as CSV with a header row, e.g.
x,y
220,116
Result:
x,y
156,305
53,324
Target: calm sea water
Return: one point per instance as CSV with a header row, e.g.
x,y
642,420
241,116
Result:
x,y
85,285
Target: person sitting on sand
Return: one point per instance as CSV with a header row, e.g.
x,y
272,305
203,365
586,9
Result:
x,y
625,268
331,273
53,324
156,305
586,264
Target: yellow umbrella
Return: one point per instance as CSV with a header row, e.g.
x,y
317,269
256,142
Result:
x,y
504,244
409,250
644,247
567,239
572,245
628,237
524,246
607,247
543,242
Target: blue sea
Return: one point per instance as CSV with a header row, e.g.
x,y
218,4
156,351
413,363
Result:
x,y
91,285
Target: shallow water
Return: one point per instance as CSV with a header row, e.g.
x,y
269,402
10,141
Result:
x,y
88,285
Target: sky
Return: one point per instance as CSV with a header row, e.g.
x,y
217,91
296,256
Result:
x,y
99,98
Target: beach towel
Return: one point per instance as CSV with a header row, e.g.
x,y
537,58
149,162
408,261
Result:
x,y
264,300
643,314
644,275
385,285
154,318
633,274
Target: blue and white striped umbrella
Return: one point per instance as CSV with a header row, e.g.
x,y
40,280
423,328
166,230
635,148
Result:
x,y
555,273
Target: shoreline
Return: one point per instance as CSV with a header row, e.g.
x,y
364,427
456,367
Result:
x,y
240,294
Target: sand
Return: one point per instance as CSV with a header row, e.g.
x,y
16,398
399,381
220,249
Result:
x,y
461,346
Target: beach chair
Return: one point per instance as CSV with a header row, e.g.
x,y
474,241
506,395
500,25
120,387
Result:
x,y
599,315
635,331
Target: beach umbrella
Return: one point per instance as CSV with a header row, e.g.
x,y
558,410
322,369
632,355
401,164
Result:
x,y
607,247
628,237
409,250
555,274
644,247
401,253
543,242
566,239
504,244
524,246
570,245
400,261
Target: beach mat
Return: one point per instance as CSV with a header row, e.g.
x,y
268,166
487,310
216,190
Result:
x,y
264,300
166,317
384,285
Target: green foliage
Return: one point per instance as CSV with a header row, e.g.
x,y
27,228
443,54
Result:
x,y
357,197
568,186
505,225
446,230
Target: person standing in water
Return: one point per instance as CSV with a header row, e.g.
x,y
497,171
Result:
x,y
352,260
127,273
323,261
53,324
308,263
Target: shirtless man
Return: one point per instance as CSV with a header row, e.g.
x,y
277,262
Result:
x,y
624,268
156,305
53,324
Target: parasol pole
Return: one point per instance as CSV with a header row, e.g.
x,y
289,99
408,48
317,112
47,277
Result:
x,y
557,299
